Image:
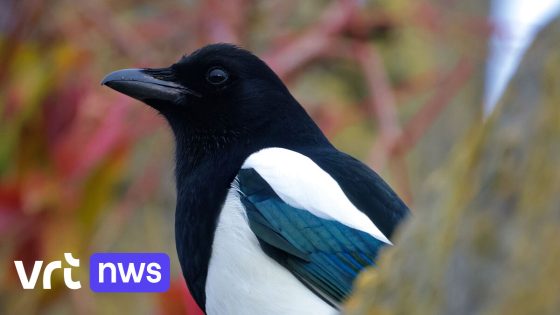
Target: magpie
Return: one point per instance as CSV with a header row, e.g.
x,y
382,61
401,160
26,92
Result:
x,y
271,218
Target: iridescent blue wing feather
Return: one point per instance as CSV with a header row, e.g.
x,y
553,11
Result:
x,y
326,255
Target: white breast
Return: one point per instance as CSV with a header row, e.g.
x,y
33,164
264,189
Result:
x,y
242,279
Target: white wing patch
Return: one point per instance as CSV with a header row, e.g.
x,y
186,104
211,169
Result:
x,y
302,184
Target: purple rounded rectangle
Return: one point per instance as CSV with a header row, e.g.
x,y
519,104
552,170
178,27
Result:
x,y
129,272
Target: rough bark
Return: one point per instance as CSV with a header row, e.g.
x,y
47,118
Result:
x,y
484,236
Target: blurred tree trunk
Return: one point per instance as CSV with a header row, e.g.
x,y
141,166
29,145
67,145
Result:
x,y
484,237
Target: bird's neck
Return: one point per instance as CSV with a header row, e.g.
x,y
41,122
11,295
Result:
x,y
203,179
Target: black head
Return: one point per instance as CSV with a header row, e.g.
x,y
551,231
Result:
x,y
219,94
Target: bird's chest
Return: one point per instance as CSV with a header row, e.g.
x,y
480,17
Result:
x,y
242,279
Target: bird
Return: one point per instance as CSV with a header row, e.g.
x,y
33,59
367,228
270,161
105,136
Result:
x,y
270,217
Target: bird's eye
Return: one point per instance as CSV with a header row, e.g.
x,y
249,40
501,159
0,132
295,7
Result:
x,y
217,76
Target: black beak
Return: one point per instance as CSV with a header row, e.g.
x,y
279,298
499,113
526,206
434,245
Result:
x,y
139,84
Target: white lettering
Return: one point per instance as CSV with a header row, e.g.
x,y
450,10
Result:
x,y
131,272
113,270
155,276
28,283
47,274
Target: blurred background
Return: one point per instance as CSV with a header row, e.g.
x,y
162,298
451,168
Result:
x,y
84,169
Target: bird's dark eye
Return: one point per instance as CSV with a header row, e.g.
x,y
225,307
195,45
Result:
x,y
217,76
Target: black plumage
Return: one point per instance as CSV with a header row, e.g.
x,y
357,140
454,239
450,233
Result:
x,y
224,104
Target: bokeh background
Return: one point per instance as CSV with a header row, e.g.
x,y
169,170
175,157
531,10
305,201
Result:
x,y
398,84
